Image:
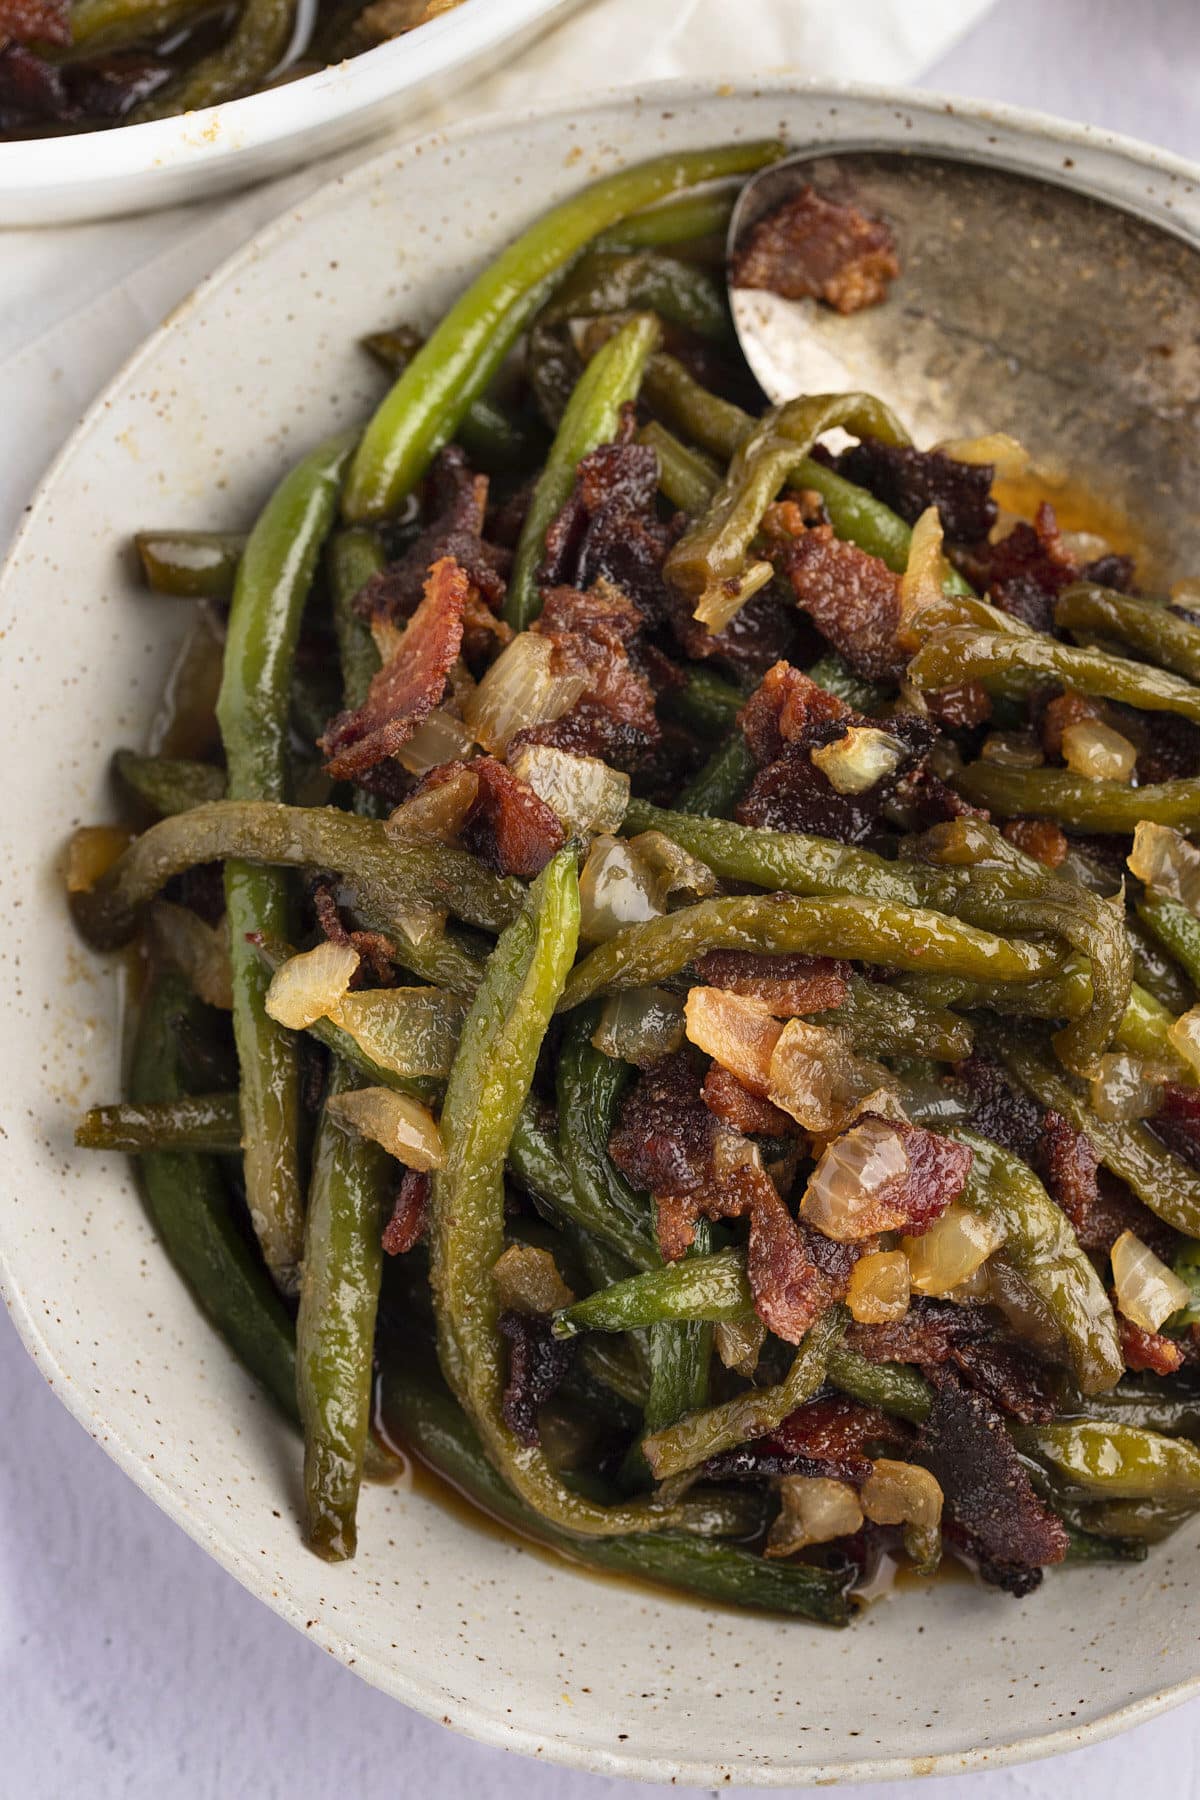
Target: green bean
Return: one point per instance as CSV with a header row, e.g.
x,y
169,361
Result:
x,y
753,1413
273,580
713,549
1158,970
608,282
240,65
1041,1246
1114,1462
432,1427
1013,663
209,1122
1134,1524
389,878
680,1357
706,702
893,1387
715,789
686,477
711,1288
593,411
1144,1401
695,216
191,1210
1088,1547
190,565
589,1086
1157,631
836,677
335,1324
456,365
169,784
1177,929
1142,1031
900,937
487,1087
353,556
1167,1185
493,438
887,1021
1077,801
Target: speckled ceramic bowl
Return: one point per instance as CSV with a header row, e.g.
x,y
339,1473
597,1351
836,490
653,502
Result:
x,y
457,1621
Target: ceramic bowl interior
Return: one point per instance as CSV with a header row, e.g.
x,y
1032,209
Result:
x,y
133,168
462,1623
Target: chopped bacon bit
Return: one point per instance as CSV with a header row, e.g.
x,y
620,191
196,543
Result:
x,y
537,1365
1066,709
788,707
787,985
1026,571
665,1136
410,683
1177,1121
1039,838
1010,1378
909,480
457,501
852,598
592,634
376,951
829,1436
1069,1164
675,1218
786,520
36,21
935,1332
508,826
962,707
31,89
924,799
999,1110
794,1279
814,248
991,1508
736,1106
1168,746
1148,1349
410,1214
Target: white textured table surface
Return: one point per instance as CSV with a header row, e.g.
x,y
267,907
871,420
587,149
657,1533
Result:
x,y
130,1665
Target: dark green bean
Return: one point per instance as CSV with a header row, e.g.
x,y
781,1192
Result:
x,y
240,65
169,784
1177,929
716,789
190,565
1077,801
209,1122
589,1086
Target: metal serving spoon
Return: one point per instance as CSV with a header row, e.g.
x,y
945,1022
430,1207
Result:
x,y
1022,307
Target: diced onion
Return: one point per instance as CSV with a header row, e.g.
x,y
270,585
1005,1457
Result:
x,y
855,762
198,950
410,1031
1123,1088
91,853
880,1288
527,1280
815,1077
615,890
1167,862
520,690
308,987
1012,750
901,1493
1184,1035
418,926
812,1510
739,1342
640,1025
405,1129
673,874
921,582
840,1195
584,793
725,599
951,1250
1009,457
439,738
736,1031
1095,750
1148,1292
436,814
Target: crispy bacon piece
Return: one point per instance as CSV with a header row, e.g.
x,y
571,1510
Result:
x,y
787,985
537,1365
828,1436
909,480
1177,1121
665,1136
743,1111
1148,1349
962,707
593,634
788,707
991,1508
937,1332
36,21
1039,838
1065,709
373,947
999,1110
410,683
1098,1203
1168,746
811,247
456,499
795,1274
924,799
852,598
508,826
911,1202
1026,571
410,1214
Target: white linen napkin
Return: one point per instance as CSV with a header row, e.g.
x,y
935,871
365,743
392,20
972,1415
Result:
x,y
78,299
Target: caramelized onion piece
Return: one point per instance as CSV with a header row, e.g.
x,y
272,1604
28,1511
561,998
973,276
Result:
x,y
1096,751
439,738
615,890
200,951
1148,1292
880,1288
308,987
640,1025
854,763
950,1252
527,1281
1167,862
1123,1088
736,1031
406,1129
900,1493
812,1510
841,1189
520,690
584,793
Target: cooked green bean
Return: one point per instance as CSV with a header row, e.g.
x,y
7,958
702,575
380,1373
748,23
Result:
x,y
209,1122
493,438
1013,663
1152,629
1177,930
715,789
589,1086
886,1021
712,1288
686,477
1114,1462
702,216
459,360
169,784
680,1359
254,48
335,1324
706,702
191,565
893,1387
1078,801
611,378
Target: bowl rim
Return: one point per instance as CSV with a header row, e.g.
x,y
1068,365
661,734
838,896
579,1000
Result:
x,y
215,136
473,1720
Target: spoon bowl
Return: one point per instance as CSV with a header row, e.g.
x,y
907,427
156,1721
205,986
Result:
x,y
1022,306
